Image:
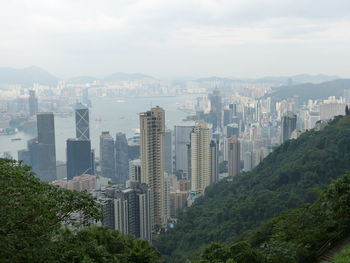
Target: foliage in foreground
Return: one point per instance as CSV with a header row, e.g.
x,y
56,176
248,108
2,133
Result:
x,y
343,256
296,235
32,219
288,178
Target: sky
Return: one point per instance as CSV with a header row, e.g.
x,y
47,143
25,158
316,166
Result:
x,y
168,39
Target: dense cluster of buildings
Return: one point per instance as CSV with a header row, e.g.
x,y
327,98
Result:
x,y
143,182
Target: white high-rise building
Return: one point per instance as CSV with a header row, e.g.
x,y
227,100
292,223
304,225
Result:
x,y
200,158
182,133
152,127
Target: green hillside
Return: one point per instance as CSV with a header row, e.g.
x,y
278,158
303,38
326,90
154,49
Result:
x,y
287,178
312,233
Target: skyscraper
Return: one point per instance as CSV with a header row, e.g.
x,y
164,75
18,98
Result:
x,y
107,155
46,151
128,210
82,122
289,124
214,161
216,109
135,170
200,158
33,103
234,156
152,127
78,158
182,138
121,158
168,151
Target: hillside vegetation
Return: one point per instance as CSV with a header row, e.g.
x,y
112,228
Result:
x,y
288,178
33,216
300,235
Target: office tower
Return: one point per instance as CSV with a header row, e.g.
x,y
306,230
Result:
x,y
167,183
200,158
234,156
82,122
232,129
78,157
227,117
182,139
121,158
215,109
92,162
128,210
248,161
33,103
46,147
24,156
135,170
233,108
289,124
107,155
167,151
152,127
214,161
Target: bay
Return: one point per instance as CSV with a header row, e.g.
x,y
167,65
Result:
x,y
106,114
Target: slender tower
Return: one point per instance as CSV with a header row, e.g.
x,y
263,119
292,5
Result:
x,y
152,128
200,158
46,146
234,158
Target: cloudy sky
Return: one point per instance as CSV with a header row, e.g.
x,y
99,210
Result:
x,y
163,38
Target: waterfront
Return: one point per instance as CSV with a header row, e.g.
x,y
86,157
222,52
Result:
x,y
107,114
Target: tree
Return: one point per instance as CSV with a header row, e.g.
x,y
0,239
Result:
x,y
33,224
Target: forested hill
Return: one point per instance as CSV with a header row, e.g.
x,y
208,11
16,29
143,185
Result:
x,y
287,178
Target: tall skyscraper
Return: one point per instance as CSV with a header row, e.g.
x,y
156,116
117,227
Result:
x,y
107,155
289,124
234,156
33,103
200,158
46,165
78,158
121,158
216,109
233,108
214,161
152,127
182,138
82,122
168,151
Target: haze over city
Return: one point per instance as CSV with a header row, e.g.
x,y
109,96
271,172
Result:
x,y
169,39
187,131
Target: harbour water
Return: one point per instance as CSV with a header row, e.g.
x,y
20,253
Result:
x,y
107,114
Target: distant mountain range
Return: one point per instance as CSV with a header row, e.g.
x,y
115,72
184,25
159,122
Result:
x,y
27,76
282,80
297,79
30,75
312,91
